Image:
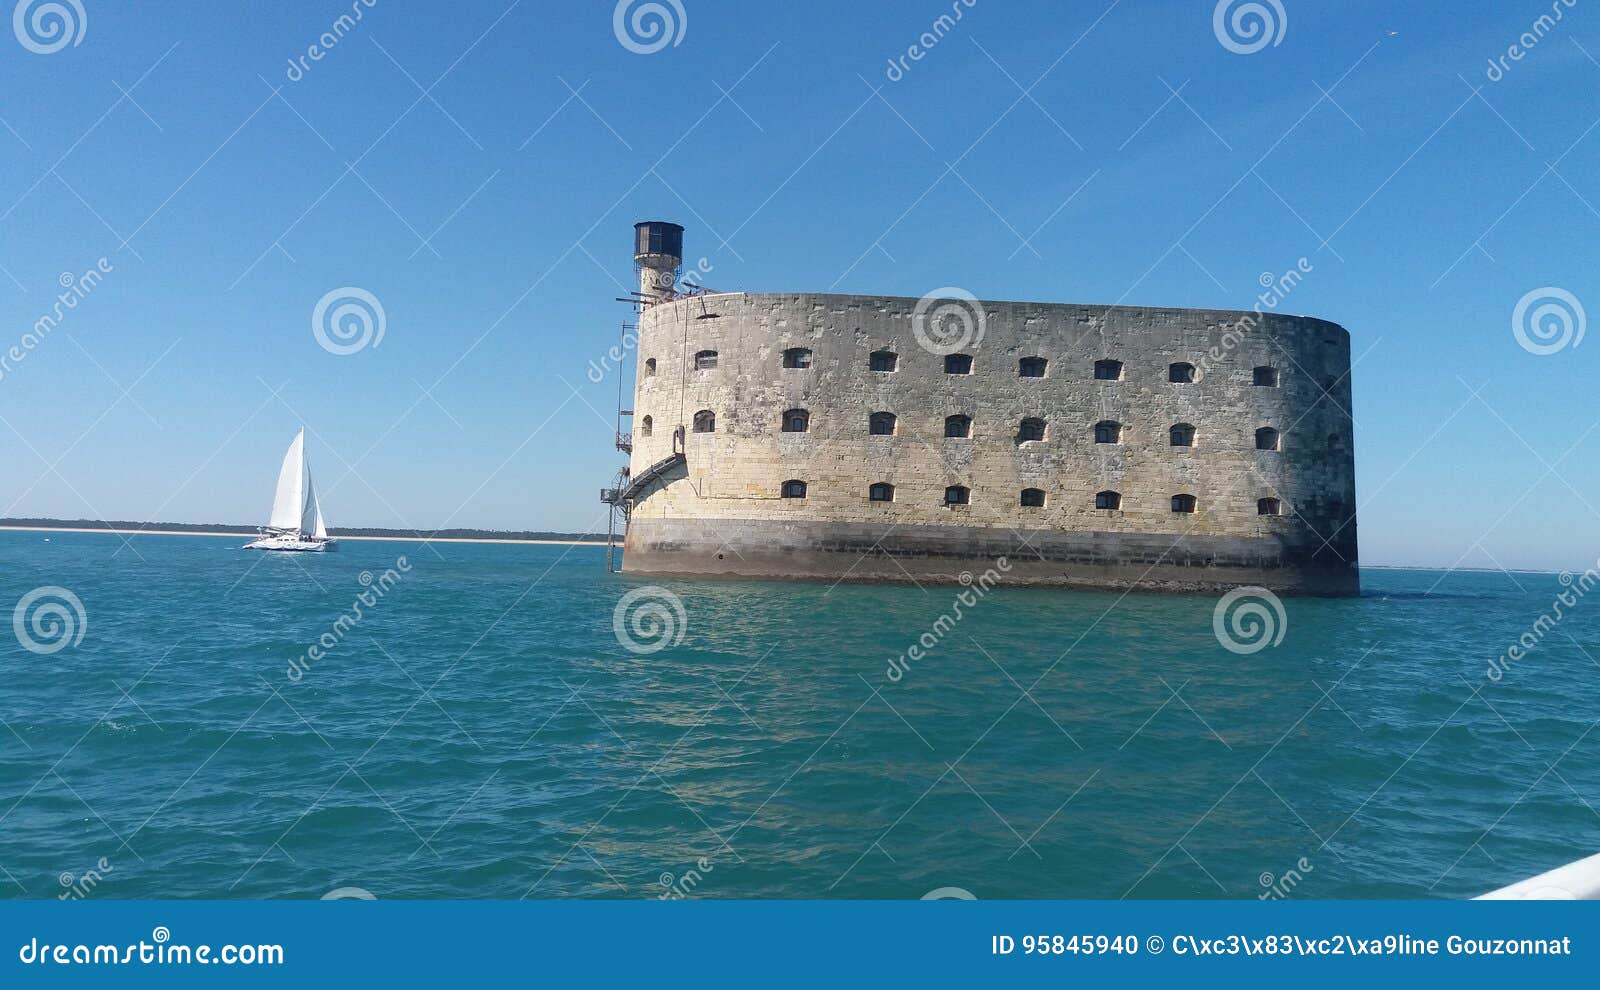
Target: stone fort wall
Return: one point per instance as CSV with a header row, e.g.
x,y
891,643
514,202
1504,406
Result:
x,y
723,512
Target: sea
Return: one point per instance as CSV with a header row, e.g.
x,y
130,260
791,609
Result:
x,y
180,718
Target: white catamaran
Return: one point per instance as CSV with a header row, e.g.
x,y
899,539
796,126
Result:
x,y
296,522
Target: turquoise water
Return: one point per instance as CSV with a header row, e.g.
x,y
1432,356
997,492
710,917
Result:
x,y
482,731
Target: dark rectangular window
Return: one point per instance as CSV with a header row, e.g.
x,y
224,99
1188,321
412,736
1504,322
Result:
x,y
958,364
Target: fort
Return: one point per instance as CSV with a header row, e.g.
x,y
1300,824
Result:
x,y
880,438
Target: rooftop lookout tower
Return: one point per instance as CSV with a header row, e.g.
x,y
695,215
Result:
x,y
658,257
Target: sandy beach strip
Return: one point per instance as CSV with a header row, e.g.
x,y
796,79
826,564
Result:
x,y
251,536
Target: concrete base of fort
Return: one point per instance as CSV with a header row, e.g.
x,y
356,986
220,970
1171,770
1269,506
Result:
x,y
859,552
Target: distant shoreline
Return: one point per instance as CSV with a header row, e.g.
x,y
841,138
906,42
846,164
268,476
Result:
x,y
251,536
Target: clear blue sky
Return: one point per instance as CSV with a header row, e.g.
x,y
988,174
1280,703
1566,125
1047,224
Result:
x,y
1427,211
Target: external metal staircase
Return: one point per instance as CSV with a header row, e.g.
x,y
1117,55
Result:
x,y
624,488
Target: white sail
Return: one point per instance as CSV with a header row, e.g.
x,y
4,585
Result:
x,y
308,512
289,501
314,523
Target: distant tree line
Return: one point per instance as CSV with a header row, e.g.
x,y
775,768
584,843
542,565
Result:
x,y
437,534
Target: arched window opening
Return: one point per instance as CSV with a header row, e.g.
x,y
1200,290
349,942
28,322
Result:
x,y
1182,435
1031,429
958,364
1268,439
1266,377
957,427
1033,498
794,489
1108,370
881,492
1183,503
881,424
1269,507
957,495
1181,373
705,360
705,421
1108,500
646,425
1107,431
1032,367
650,367
797,357
884,361
796,421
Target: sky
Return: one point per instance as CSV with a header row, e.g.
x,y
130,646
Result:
x,y
209,189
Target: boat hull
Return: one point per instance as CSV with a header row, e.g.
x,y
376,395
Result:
x,y
289,544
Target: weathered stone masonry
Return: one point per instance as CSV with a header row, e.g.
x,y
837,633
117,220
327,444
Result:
x,y
721,512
